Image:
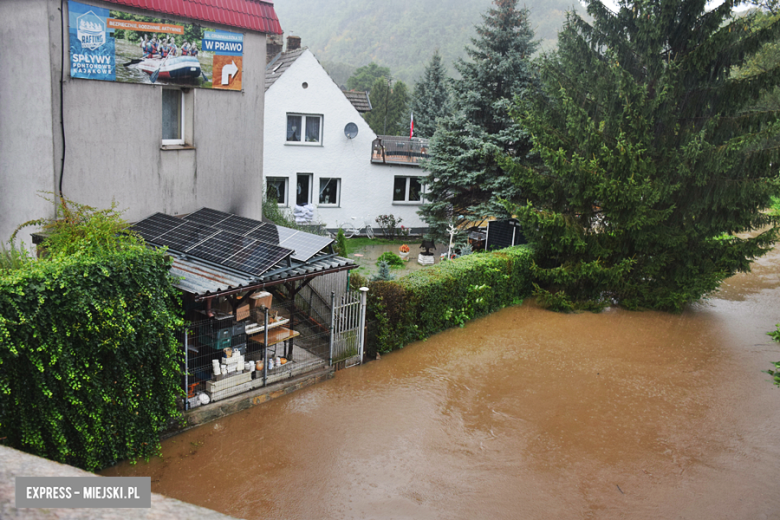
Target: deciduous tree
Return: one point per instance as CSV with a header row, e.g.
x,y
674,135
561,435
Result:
x,y
364,77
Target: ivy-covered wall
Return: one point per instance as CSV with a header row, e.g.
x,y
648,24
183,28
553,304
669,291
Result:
x,y
446,295
89,365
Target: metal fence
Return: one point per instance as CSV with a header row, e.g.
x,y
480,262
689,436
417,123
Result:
x,y
225,356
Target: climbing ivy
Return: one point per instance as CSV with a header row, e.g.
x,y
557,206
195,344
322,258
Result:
x,y
89,364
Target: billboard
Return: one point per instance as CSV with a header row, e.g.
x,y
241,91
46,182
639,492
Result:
x,y
111,45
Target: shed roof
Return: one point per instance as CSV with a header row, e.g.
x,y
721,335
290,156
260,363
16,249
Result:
x,y
219,253
255,15
207,281
359,100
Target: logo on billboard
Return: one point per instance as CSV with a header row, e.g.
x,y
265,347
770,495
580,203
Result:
x,y
91,31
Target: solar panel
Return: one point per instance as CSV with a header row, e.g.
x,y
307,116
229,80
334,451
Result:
x,y
208,217
221,247
239,225
257,258
305,245
237,242
156,225
268,233
186,236
285,233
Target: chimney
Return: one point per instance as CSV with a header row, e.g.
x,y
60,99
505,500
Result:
x,y
273,46
293,43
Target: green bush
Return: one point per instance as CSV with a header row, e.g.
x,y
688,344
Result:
x,y
392,259
89,364
775,334
341,244
449,294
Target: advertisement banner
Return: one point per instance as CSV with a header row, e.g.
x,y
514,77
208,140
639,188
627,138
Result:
x,y
111,45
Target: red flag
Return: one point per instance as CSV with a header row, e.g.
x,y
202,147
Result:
x,y
411,127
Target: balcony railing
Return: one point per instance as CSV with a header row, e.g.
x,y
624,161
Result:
x,y
399,150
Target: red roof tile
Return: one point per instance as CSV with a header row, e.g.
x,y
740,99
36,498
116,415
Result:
x,y
255,15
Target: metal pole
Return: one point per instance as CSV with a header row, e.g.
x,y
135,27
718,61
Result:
x,y
362,334
265,346
332,324
186,372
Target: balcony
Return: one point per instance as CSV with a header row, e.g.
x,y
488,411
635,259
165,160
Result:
x,y
387,149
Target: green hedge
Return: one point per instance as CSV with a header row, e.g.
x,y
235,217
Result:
x,y
446,295
89,364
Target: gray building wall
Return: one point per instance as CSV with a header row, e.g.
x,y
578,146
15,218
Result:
x,y
26,141
113,131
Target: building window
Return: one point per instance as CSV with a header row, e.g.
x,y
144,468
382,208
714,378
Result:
x,y
305,129
276,189
303,189
172,117
407,189
330,192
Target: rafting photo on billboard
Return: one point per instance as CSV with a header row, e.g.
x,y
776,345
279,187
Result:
x,y
112,45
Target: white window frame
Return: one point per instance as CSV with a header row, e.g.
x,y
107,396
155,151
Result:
x,y
311,187
335,204
286,182
406,191
182,112
302,141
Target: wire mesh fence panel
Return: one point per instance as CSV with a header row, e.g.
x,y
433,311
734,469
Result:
x,y
226,357
346,330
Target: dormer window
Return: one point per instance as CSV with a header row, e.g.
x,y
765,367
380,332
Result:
x,y
304,129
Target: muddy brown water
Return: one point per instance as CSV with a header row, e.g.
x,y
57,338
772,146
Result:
x,y
523,414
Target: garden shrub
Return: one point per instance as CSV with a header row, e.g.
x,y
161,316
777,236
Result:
x,y
428,301
392,259
90,367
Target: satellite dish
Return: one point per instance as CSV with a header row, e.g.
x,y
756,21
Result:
x,y
351,130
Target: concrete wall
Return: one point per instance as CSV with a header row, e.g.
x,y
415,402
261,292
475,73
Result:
x,y
113,131
26,124
366,189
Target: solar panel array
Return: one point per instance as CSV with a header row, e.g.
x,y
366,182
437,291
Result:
x,y
305,245
223,238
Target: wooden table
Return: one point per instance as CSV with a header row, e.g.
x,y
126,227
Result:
x,y
276,336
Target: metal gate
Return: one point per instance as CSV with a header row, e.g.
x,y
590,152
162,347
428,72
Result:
x,y
347,331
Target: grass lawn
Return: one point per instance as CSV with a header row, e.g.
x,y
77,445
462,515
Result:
x,y
365,251
356,244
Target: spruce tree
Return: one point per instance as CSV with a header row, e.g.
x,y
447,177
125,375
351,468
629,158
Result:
x,y
466,181
431,99
654,163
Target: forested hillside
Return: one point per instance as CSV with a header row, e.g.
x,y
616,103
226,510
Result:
x,y
346,34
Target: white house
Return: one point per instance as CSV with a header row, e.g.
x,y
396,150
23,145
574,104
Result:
x,y
319,150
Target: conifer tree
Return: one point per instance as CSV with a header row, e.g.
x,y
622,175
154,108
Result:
x,y
431,99
653,160
389,108
466,180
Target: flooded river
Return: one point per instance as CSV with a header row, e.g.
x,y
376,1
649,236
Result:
x,y
523,414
